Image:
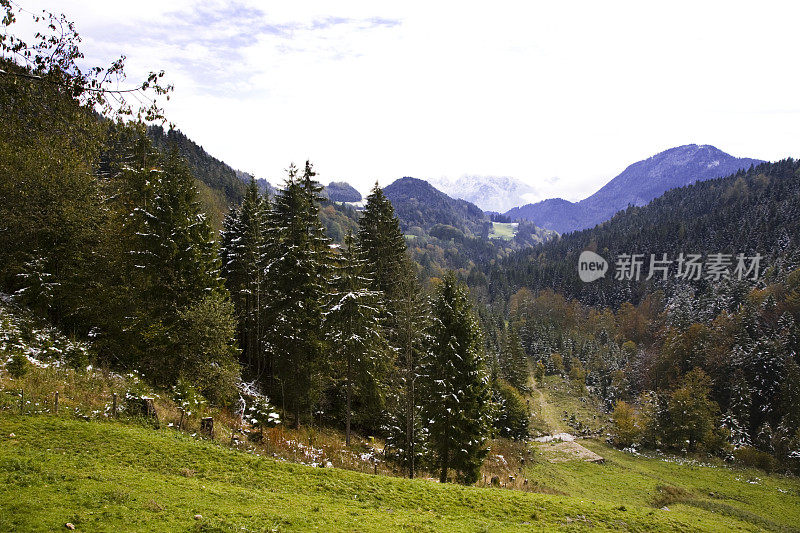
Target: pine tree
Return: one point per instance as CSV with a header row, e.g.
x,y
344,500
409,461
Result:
x,y
404,319
514,362
790,397
737,418
178,268
406,434
297,275
354,330
380,237
511,415
458,395
243,251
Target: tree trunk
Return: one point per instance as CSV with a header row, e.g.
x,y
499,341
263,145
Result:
x,y
410,411
349,398
445,466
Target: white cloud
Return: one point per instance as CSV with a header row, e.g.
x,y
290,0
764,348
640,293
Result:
x,y
374,90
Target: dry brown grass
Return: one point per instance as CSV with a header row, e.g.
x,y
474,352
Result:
x,y
88,394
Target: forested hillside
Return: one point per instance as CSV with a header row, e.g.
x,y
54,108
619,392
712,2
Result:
x,y
702,357
754,211
105,237
445,233
636,185
418,203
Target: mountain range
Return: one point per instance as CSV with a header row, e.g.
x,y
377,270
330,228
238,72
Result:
x,y
753,211
490,193
418,203
637,185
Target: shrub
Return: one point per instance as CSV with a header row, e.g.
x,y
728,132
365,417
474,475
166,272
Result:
x,y
753,458
626,431
512,414
18,365
187,397
667,495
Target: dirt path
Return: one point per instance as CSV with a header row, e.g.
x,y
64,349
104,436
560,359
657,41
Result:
x,y
549,413
557,451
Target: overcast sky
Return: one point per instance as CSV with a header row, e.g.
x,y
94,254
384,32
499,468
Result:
x,y
561,95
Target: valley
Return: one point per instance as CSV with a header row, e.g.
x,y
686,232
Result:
x,y
195,344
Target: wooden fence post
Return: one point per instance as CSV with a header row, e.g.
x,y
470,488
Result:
x,y
55,403
180,422
207,426
22,401
114,405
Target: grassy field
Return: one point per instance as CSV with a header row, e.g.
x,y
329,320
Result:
x,y
729,499
109,476
503,230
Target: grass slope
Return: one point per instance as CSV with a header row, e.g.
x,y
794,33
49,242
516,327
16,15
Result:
x,y
707,491
503,230
727,499
104,476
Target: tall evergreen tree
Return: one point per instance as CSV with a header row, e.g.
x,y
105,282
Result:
x,y
298,286
406,434
458,395
404,318
384,247
354,329
514,362
243,251
175,256
737,418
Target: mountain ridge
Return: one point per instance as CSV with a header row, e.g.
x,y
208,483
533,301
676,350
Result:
x,y
418,203
637,185
490,193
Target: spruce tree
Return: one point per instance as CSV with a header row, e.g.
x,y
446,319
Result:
x,y
297,275
354,330
737,418
405,431
177,266
384,247
514,362
243,252
458,395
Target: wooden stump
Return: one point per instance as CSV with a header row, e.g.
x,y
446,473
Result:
x,y
144,407
207,426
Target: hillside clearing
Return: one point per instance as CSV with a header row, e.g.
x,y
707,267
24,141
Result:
x,y
104,476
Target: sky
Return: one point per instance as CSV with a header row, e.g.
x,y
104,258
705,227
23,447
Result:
x,y
560,95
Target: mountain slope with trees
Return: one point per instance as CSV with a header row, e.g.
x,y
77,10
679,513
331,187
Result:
x,y
753,211
418,203
637,185
702,362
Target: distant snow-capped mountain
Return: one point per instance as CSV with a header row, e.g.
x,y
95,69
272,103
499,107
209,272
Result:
x,y
490,193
